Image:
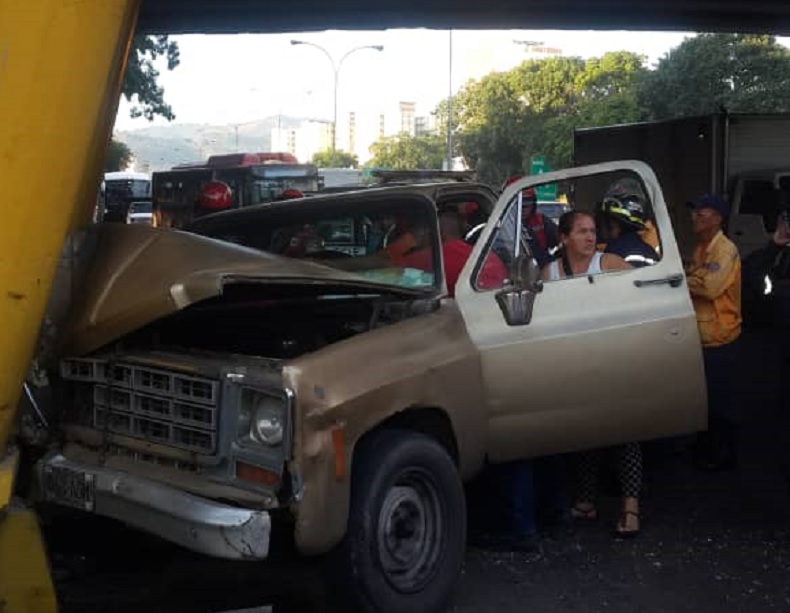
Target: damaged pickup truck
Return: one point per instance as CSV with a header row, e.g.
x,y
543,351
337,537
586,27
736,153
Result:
x,y
304,360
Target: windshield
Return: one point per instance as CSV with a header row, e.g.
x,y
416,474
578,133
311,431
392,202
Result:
x,y
140,207
267,190
551,209
388,243
118,192
759,198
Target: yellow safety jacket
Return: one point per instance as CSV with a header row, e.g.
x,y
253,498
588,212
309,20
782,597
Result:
x,y
714,280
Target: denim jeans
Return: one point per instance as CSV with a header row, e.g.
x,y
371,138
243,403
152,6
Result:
x,y
530,489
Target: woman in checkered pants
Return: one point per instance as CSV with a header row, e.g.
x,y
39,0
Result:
x,y
629,473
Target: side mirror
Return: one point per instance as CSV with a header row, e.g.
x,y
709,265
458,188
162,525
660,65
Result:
x,y
517,299
526,273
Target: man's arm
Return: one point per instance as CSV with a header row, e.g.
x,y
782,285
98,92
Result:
x,y
552,232
610,261
711,280
762,261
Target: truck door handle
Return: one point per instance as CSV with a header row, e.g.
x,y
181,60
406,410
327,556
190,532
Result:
x,y
671,280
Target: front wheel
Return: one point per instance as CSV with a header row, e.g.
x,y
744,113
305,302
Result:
x,y
406,533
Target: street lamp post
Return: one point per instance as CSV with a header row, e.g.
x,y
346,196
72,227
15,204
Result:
x,y
450,106
336,72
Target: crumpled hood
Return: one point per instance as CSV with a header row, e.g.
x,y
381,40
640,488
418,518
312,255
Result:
x,y
140,274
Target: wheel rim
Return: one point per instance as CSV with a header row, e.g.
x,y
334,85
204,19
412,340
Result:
x,y
410,532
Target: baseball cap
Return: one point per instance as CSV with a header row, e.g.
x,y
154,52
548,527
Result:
x,y
529,196
710,201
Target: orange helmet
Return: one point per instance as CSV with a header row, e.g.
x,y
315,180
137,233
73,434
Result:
x,y
216,196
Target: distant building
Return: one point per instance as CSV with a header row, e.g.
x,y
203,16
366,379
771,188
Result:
x,y
311,137
283,139
407,117
425,124
352,131
357,130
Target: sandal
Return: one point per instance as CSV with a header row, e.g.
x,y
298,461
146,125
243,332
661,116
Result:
x,y
584,511
620,530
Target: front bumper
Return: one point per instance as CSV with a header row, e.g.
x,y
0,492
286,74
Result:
x,y
198,524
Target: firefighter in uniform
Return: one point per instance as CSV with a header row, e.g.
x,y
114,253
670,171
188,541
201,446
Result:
x,y
624,218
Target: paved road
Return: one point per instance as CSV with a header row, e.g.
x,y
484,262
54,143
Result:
x,y
710,544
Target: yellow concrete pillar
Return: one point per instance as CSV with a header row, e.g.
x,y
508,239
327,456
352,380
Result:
x,y
61,65
25,582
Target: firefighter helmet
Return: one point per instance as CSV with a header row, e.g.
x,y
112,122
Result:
x,y
628,209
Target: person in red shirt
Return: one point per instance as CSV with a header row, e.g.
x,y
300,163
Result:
x,y
455,253
540,232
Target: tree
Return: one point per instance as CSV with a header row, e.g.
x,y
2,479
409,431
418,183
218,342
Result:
x,y
506,118
607,92
342,159
140,84
406,152
118,156
489,121
711,72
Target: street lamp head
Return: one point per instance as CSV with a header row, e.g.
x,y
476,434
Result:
x,y
378,47
297,42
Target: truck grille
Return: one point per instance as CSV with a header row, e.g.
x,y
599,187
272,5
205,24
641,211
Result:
x,y
156,405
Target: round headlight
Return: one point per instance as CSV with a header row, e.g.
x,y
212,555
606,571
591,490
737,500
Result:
x,y
267,422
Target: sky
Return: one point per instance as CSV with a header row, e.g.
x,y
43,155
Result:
x,y
233,79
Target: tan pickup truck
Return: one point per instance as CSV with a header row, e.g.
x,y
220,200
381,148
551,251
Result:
x,y
304,361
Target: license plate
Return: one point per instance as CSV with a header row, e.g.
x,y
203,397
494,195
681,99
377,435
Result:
x,y
69,487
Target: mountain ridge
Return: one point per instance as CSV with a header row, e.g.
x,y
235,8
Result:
x,y
159,147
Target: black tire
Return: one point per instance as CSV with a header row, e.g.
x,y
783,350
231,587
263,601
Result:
x,y
406,536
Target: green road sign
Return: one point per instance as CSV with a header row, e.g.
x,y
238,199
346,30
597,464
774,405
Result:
x,y
538,167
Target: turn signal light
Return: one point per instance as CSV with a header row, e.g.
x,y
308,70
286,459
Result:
x,y
256,474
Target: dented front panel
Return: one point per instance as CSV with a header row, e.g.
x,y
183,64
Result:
x,y
124,291
425,362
